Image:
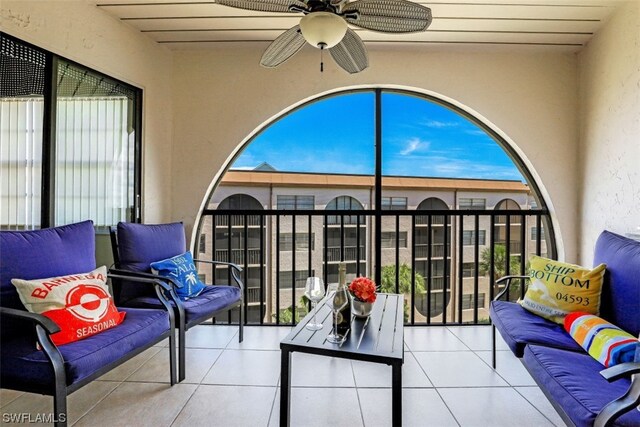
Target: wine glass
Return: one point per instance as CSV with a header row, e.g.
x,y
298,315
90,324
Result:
x,y
314,290
340,301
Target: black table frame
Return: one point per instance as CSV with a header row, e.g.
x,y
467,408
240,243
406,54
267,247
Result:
x,y
378,339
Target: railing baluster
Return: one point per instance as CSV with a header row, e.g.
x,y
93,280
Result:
x,y
262,267
277,269
523,252
294,303
460,266
397,254
492,258
538,234
429,261
246,265
447,282
229,254
476,266
413,269
310,245
358,246
342,238
507,256
325,250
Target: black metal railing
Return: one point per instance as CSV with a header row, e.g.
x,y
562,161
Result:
x,y
444,280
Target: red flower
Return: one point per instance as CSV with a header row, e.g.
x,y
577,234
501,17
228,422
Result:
x,y
363,289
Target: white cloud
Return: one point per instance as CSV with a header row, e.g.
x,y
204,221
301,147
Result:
x,y
415,144
439,124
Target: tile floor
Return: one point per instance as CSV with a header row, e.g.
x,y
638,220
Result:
x,y
447,382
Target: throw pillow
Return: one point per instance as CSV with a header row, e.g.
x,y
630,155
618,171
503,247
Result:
x,y
606,343
558,288
182,269
80,304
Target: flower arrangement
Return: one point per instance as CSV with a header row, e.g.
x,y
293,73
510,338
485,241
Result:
x,y
363,289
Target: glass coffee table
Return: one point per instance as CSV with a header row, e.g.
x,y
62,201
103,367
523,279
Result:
x,y
378,339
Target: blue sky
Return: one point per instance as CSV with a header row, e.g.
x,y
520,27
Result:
x,y
420,138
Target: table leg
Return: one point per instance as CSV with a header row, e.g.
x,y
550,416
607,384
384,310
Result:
x,y
396,394
285,388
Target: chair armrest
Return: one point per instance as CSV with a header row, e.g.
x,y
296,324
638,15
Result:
x,y
507,279
229,264
235,271
150,278
37,319
622,370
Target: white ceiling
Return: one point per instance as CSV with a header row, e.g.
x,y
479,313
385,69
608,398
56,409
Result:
x,y
558,25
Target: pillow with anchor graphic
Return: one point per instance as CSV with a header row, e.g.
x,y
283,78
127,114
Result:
x,y
558,288
80,304
181,269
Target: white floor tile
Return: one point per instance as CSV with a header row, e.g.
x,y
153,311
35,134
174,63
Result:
x,y
432,339
321,407
260,338
509,367
211,336
536,397
198,362
478,337
245,367
495,407
379,376
420,407
319,371
458,369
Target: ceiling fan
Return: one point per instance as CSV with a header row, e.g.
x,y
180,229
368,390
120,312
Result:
x,y
324,25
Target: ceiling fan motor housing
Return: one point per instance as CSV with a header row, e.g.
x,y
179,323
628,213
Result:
x,y
323,29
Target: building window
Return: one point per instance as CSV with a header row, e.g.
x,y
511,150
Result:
x,y
389,239
471,204
469,237
534,233
468,269
295,203
95,169
301,278
302,241
394,203
468,301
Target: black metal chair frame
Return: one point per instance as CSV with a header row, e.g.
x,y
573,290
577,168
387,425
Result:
x,y
183,325
45,327
614,409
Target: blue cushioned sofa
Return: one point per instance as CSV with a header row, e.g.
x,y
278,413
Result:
x,y
60,370
583,393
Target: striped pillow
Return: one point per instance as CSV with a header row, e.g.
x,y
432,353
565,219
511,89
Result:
x,y
605,342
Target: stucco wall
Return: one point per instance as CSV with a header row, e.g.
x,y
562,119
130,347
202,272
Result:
x,y
222,95
609,84
81,32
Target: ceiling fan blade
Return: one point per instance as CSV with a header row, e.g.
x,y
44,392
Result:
x,y
350,53
279,6
283,47
388,16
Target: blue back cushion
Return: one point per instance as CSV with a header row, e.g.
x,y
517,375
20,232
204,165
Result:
x,y
141,244
621,290
38,254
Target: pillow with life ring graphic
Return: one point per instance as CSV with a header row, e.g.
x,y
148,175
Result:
x,y
80,304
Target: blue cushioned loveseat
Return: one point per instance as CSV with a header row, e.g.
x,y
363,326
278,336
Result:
x,y
60,370
581,391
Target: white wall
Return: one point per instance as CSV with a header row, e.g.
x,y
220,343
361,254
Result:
x,y
81,32
222,95
609,84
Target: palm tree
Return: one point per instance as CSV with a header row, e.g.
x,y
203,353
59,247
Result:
x,y
389,283
499,264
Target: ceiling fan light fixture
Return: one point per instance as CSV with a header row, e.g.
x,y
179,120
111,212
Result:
x,y
323,29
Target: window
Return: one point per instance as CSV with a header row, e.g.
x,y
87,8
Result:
x,y
469,237
470,203
468,301
534,233
394,203
95,169
302,241
468,269
301,278
389,239
295,202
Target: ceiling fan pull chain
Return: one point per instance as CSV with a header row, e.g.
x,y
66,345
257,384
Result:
x,y
321,58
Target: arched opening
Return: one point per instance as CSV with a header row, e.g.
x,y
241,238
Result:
x,y
417,178
431,255
346,239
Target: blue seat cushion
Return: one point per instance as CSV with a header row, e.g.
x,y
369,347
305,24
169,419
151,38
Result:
x,y
141,244
38,254
621,290
573,380
25,368
520,327
210,300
